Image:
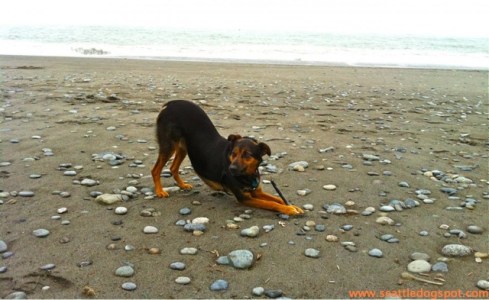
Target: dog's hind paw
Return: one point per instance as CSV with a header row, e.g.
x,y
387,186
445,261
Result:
x,y
185,186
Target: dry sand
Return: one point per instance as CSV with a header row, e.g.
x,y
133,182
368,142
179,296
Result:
x,y
418,119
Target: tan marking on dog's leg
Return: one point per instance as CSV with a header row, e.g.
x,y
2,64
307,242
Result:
x,y
180,154
156,173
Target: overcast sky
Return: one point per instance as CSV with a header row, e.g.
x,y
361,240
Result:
x,y
429,17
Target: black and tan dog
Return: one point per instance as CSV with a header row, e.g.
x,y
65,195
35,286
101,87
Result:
x,y
229,165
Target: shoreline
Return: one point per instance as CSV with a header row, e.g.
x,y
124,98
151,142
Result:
x,y
262,62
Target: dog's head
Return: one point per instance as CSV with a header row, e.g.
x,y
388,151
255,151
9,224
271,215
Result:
x,y
245,155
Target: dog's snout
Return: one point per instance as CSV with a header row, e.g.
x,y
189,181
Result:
x,y
234,169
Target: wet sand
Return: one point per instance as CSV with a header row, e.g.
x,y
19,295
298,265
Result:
x,y
414,121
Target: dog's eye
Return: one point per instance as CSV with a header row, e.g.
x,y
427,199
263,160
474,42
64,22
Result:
x,y
246,155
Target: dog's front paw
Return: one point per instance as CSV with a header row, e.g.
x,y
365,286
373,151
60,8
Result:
x,y
161,194
292,210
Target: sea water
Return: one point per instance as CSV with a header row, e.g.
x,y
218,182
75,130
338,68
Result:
x,y
247,46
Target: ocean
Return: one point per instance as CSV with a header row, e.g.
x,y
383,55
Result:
x,y
406,51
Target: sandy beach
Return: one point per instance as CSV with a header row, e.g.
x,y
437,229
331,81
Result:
x,y
370,136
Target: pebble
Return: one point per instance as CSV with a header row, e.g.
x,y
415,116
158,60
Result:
x,y
183,280
368,211
120,210
223,260
404,184
219,285
320,227
190,227
241,259
69,173
410,203
311,252
154,250
385,221
16,295
188,251
252,231
200,220
129,286
375,252
26,194
386,237
48,267
150,229
299,165
309,207
304,192
483,285
178,266
335,208
273,293
331,238
419,266
124,271
62,210
439,267
419,256
456,250
185,211
3,246
449,191
329,187
41,232
370,157
474,229
387,208
258,291
89,182
108,199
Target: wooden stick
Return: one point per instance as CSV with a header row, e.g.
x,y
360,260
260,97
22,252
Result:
x,y
279,192
406,275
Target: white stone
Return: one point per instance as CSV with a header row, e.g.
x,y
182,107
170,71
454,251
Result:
x,y
150,229
131,189
483,284
329,187
311,252
385,221
200,220
62,210
188,251
109,198
253,231
121,210
419,266
89,182
183,280
456,250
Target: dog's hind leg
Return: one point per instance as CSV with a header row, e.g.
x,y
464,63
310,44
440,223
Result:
x,y
180,154
163,158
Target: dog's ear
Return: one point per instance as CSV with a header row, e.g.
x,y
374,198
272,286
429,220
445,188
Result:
x,y
265,149
234,137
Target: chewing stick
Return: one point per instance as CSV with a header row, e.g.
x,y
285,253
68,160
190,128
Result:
x,y
279,193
